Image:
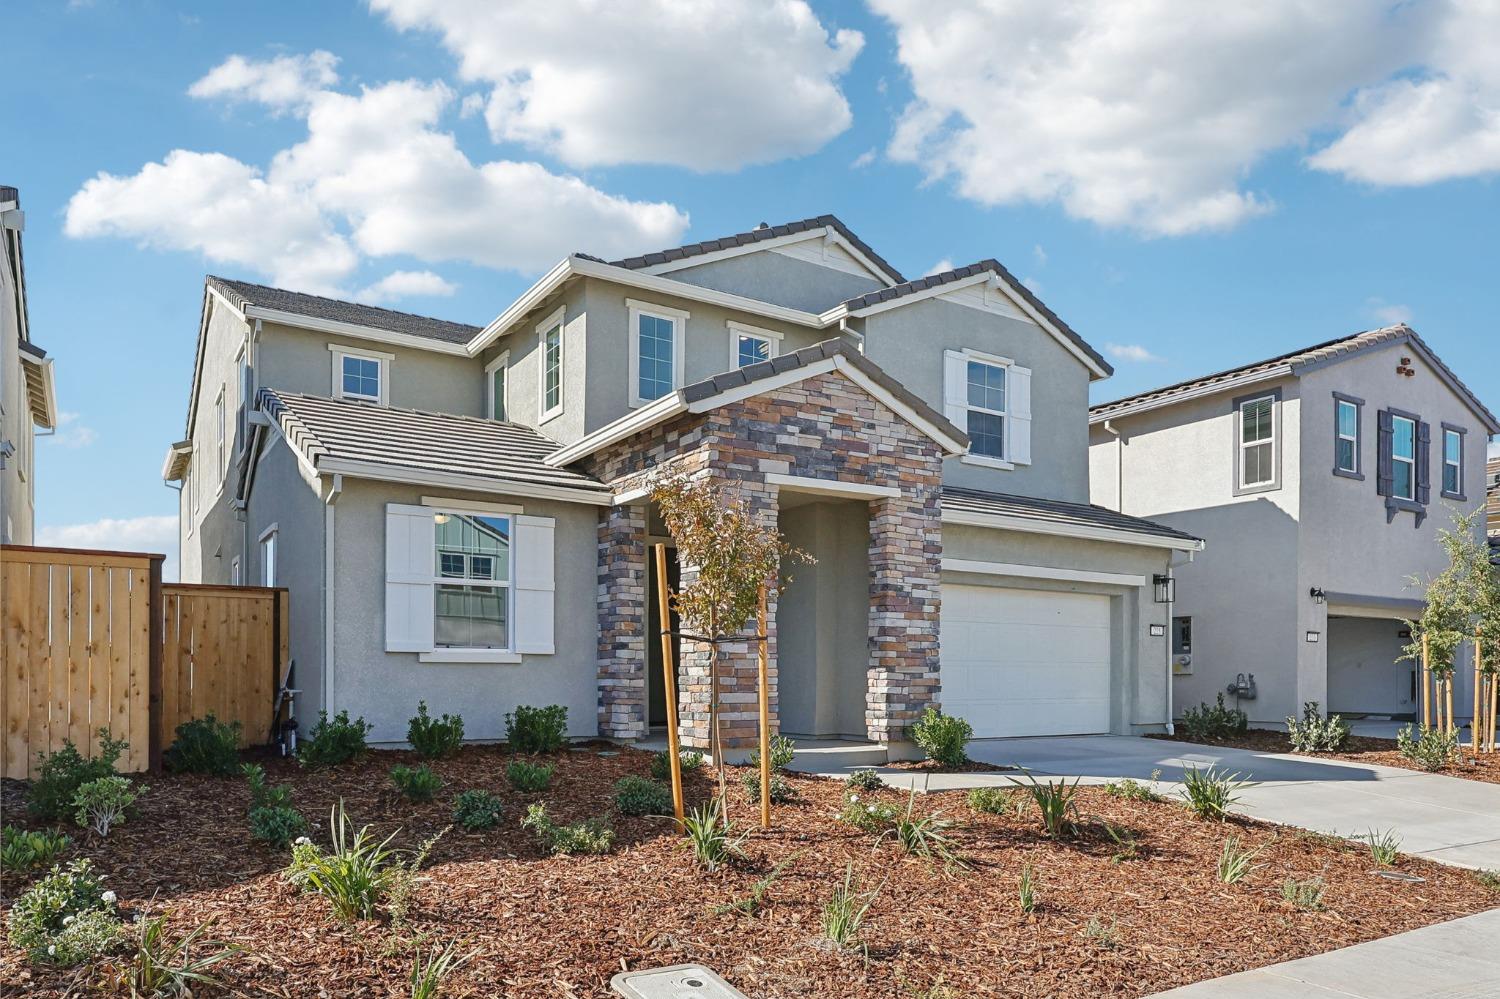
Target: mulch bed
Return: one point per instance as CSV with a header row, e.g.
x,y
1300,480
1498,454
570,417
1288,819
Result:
x,y
934,767
1359,749
560,927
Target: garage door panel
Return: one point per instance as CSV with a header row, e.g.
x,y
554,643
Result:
x,y
1026,662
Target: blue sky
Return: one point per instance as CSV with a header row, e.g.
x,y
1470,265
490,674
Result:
x,y
1189,192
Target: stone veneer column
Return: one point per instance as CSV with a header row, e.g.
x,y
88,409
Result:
x,y
622,622
906,555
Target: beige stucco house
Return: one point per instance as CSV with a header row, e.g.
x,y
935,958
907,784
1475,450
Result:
x,y
1319,480
460,512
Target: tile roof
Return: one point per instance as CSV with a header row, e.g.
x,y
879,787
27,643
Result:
x,y
1298,361
323,428
755,236
989,265
956,498
243,293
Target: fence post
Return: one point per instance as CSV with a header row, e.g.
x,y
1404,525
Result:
x,y
154,657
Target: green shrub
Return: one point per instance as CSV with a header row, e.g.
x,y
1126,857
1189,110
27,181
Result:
x,y
866,779
1134,790
1429,748
66,918
589,836
688,760
354,874
944,738
62,773
438,738
277,825
1105,934
1305,895
204,746
528,777
845,912
333,741
162,964
710,837
1315,735
865,814
100,804
416,783
635,795
992,800
1056,803
537,730
783,750
781,789
922,835
476,809
261,794
1217,722
23,850
1210,792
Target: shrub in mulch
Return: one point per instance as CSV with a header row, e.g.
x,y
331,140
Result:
x,y
535,925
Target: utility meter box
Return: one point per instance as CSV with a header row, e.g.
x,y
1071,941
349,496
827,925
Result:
x,y
680,981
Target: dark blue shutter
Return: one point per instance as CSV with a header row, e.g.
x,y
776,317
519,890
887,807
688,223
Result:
x,y
1424,463
1384,485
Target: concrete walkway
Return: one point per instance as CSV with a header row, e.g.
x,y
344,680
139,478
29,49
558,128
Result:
x,y
1447,819
1454,960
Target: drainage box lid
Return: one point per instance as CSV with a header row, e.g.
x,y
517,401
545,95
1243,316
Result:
x,y
680,981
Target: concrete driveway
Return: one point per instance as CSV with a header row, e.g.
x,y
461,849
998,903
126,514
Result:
x,y
1446,819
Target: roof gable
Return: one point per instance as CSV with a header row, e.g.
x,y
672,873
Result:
x,y
243,295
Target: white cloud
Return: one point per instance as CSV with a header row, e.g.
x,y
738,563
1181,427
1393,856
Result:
x,y
864,159
376,176
157,535
712,85
1150,114
1130,352
70,433
284,82
942,265
1389,314
403,284
1040,255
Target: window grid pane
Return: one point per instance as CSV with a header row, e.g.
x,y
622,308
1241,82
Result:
x,y
986,384
986,434
471,617
1346,455
1402,478
552,376
1255,421
476,549
497,391
1404,440
1348,419
752,350
654,356
361,377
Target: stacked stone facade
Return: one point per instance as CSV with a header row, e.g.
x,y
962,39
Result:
x,y
827,427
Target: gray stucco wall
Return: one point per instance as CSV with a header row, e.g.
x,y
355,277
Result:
x,y
385,687
211,533
18,476
909,343
769,276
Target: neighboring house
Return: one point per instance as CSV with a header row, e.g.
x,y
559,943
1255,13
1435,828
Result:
x,y
461,515
28,397
1492,507
1319,479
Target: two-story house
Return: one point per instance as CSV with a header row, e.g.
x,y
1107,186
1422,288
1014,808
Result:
x,y
28,395
461,513
1319,480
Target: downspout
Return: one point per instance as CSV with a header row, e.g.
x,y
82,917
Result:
x,y
330,501
1119,467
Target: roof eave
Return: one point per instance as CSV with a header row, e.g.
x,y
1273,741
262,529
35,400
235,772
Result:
x,y
41,389
1186,395
1030,525
177,461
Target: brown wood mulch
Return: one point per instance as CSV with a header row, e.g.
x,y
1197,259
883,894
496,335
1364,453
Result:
x,y
934,767
560,927
1359,749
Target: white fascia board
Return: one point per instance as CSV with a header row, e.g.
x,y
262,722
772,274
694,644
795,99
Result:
x,y
1198,392
219,296
664,408
681,263
353,330
1027,525
1042,572
455,480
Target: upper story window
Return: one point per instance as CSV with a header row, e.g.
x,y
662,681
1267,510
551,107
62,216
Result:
x,y
219,433
750,345
1403,458
550,345
268,556
989,398
496,376
1453,462
472,575
986,423
655,351
1256,459
360,374
1346,456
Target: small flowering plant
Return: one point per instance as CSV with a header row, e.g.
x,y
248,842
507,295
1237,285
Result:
x,y
100,804
66,918
866,814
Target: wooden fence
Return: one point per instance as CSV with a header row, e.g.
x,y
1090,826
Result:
x,y
92,640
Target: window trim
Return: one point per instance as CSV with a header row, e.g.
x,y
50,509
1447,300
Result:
x,y
737,330
221,432
235,579
1462,434
469,653
272,534
1005,364
1358,471
382,359
678,318
501,361
1237,445
558,319
1395,458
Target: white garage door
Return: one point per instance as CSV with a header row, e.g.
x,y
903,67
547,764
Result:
x,y
1025,662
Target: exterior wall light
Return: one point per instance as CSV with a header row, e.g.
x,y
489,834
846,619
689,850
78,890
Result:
x,y
1165,587
1319,597
1158,631
1313,637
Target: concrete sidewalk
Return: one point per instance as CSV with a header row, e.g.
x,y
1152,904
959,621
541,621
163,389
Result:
x,y
1447,819
1454,960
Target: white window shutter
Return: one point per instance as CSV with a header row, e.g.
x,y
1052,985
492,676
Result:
x,y
409,572
1019,403
956,389
534,585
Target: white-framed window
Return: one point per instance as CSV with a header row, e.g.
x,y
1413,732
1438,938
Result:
x,y
751,345
1257,442
655,350
1453,462
361,374
989,398
472,569
219,432
242,399
550,352
1403,457
268,539
235,578
496,378
1346,436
